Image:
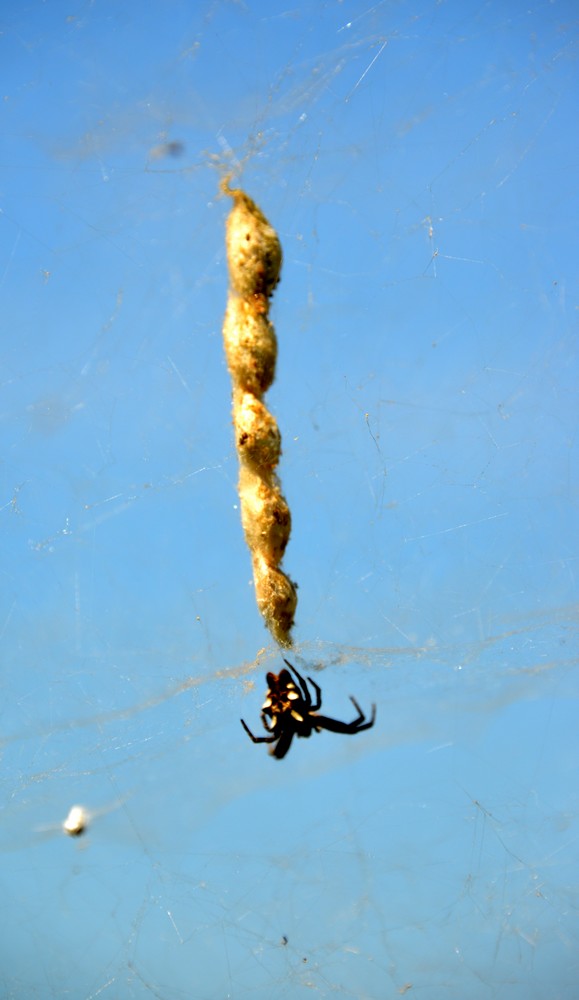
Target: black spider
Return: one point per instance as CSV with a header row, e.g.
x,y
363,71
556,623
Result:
x,y
288,711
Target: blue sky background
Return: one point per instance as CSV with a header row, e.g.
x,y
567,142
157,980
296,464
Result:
x,y
419,163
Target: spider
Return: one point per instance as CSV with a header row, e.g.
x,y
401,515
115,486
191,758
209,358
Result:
x,y
288,711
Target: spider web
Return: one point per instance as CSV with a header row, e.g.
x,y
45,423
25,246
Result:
x,y
418,164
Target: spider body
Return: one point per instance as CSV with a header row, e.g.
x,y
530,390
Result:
x,y
288,711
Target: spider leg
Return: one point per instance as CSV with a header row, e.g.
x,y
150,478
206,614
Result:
x,y
303,685
305,692
336,726
258,739
283,744
362,717
318,704
265,722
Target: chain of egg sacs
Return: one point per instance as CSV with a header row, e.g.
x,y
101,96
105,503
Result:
x,y
254,258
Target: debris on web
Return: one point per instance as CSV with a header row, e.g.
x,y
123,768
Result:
x,y
254,257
